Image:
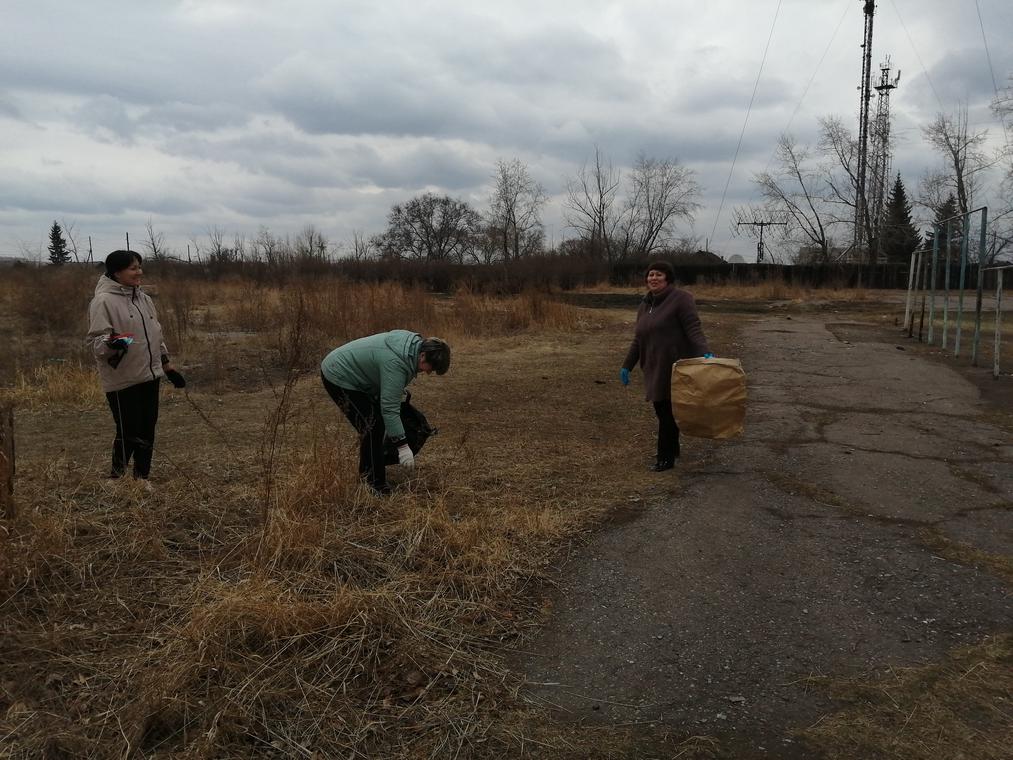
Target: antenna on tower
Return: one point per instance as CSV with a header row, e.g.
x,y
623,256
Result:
x,y
881,157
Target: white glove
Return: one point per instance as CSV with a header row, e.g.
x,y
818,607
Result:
x,y
405,458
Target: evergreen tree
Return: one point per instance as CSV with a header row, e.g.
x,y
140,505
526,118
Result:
x,y
900,238
58,254
947,211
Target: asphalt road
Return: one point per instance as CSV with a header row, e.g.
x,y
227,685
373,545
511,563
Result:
x,y
803,549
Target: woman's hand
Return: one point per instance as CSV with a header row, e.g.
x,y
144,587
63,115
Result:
x,y
405,457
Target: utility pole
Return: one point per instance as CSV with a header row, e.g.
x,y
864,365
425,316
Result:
x,y
759,245
861,206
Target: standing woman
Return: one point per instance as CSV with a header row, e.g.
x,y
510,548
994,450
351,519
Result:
x,y
667,329
126,338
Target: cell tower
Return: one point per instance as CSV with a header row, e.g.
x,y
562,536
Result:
x,y
879,175
861,204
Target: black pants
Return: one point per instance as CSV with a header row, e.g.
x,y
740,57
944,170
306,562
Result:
x,y
364,414
668,431
135,411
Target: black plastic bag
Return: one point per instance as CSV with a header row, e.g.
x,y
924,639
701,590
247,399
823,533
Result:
x,y
416,429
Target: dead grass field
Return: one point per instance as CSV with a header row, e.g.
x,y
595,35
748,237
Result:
x,y
259,603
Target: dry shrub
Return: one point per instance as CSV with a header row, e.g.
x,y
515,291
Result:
x,y
68,385
247,306
481,315
778,290
52,299
177,303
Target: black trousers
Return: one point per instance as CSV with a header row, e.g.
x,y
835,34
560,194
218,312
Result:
x,y
668,430
135,412
364,414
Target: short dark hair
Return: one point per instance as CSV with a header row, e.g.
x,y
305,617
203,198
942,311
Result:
x,y
664,267
117,261
437,354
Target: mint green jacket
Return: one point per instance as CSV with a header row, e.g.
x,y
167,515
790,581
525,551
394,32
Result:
x,y
381,366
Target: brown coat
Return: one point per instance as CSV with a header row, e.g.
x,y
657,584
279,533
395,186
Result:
x,y
668,328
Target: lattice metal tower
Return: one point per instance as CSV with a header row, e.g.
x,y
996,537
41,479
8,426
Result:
x,y
879,165
861,204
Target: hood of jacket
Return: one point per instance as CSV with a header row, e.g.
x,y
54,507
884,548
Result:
x,y
107,285
407,345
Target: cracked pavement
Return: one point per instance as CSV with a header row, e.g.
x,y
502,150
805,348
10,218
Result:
x,y
824,542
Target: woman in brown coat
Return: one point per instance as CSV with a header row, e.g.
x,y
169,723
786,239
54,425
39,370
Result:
x,y
667,329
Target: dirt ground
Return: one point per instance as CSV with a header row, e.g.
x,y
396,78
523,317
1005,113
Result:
x,y
862,524
822,544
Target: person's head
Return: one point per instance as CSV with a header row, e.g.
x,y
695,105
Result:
x,y
434,356
124,267
660,275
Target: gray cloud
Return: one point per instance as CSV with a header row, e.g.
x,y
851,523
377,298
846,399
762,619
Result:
x,y
246,113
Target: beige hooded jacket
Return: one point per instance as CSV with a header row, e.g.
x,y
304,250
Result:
x,y
117,309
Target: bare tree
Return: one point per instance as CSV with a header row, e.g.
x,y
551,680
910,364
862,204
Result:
x,y
591,205
311,244
514,210
267,247
154,241
364,248
71,237
431,227
964,160
661,193
797,193
658,193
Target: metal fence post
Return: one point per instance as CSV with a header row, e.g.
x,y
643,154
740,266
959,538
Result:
x,y
912,268
963,279
998,323
932,283
946,284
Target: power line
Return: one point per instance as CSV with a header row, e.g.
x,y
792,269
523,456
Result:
x,y
745,121
991,70
826,50
925,71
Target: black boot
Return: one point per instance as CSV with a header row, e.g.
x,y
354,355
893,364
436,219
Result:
x,y
662,464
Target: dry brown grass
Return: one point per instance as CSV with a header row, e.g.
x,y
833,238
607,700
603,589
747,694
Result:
x,y
958,709
60,384
220,618
777,290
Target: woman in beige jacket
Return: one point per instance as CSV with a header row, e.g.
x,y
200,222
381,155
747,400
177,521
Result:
x,y
126,338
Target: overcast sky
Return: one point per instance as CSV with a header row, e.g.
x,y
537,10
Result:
x,y
243,113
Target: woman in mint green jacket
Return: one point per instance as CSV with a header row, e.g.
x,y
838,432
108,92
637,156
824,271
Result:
x,y
367,378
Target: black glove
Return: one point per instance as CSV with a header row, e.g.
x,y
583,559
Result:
x,y
176,378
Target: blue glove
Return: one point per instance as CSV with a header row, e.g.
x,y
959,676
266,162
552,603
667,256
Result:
x,y
708,356
624,376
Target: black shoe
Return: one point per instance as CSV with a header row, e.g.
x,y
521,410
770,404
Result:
x,y
382,490
663,464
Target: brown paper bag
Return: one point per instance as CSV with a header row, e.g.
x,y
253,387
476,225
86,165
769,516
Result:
x,y
709,396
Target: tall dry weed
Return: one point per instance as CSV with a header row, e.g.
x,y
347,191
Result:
x,y
52,299
59,384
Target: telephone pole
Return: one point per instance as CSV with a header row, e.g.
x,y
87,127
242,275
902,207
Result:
x,y
759,245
